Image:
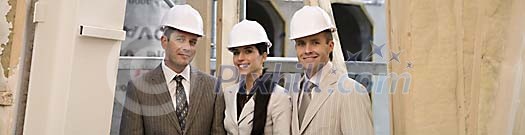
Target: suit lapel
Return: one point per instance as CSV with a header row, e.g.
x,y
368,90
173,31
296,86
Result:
x,y
157,77
247,110
196,94
232,101
295,103
327,85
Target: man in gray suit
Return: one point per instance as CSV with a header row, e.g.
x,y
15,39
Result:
x,y
175,98
328,101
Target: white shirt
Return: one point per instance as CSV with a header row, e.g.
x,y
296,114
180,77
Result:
x,y
172,84
316,79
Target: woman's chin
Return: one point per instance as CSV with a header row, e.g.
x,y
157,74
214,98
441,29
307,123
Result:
x,y
243,72
246,73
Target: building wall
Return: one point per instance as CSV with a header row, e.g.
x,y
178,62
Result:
x,y
287,9
12,95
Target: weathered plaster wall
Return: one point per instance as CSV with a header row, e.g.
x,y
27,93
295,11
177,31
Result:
x,y
6,26
12,24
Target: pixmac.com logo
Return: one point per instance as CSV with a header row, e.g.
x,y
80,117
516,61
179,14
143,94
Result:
x,y
390,82
292,81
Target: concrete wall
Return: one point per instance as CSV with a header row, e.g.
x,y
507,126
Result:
x,y
287,9
380,98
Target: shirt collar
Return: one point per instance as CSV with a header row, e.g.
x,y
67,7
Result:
x,y
316,79
170,74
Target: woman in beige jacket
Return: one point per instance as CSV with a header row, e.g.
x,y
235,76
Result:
x,y
255,104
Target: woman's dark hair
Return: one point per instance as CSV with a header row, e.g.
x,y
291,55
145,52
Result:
x,y
261,47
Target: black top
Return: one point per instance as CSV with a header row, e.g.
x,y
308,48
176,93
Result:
x,y
243,97
262,90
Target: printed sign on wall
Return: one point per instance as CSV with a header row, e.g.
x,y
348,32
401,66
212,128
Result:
x,y
142,26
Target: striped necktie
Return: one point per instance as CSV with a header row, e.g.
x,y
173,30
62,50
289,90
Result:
x,y
182,105
306,97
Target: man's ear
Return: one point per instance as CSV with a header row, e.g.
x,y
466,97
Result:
x,y
164,41
331,45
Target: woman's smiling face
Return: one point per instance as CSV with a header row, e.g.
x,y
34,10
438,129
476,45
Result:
x,y
247,59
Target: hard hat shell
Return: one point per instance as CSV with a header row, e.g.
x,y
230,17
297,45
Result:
x,y
248,33
309,20
184,18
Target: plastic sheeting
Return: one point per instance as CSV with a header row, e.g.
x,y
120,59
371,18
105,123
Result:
x,y
142,26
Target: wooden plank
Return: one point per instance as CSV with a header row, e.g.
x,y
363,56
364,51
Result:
x,y
507,88
218,30
473,25
227,17
396,15
19,31
429,35
464,56
494,42
519,121
202,56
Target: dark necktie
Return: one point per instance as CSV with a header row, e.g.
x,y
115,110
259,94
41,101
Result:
x,y
182,105
306,97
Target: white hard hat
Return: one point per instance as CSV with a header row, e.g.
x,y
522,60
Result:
x,y
309,20
248,33
184,18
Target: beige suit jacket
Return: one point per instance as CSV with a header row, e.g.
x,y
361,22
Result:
x,y
149,110
278,116
342,107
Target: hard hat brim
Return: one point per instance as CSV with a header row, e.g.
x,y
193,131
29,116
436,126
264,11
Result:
x,y
331,28
268,44
183,30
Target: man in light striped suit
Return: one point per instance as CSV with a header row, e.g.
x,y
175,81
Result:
x,y
328,101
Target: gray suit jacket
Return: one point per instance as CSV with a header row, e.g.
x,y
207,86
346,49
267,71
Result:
x,y
342,107
148,108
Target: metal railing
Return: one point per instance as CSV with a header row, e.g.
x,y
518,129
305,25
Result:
x,y
282,64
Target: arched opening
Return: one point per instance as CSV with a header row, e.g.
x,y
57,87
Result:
x,y
355,31
265,13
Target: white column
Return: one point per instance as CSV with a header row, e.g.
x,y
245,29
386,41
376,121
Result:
x,y
72,80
